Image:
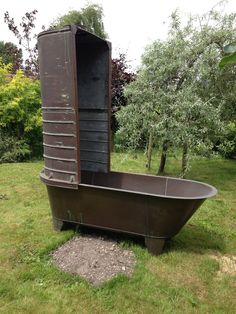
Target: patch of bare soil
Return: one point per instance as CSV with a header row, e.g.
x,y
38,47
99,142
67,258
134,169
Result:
x,y
94,258
227,264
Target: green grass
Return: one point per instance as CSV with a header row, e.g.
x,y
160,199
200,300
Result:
x,y
182,280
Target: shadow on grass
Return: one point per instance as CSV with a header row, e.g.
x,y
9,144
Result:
x,y
197,239
192,238
129,239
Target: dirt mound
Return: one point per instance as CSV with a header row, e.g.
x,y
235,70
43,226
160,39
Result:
x,y
94,258
227,264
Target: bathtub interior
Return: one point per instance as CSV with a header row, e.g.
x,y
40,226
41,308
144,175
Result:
x,y
155,185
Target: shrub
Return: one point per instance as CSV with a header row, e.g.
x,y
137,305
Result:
x,y
20,114
12,150
228,146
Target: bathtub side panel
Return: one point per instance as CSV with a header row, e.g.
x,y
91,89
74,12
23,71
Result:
x,y
122,211
101,208
65,203
167,216
115,210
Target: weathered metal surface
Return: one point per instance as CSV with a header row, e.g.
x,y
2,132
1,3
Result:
x,y
59,104
149,206
75,77
93,64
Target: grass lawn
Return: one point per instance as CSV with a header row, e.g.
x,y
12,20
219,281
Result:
x,y
184,279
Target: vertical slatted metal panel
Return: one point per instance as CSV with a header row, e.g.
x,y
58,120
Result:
x,y
93,66
57,63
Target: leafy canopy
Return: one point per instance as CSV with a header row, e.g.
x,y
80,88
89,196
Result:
x,y
180,95
11,54
91,17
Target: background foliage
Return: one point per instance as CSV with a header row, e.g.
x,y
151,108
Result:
x,y
20,116
10,53
181,99
122,75
90,17
24,33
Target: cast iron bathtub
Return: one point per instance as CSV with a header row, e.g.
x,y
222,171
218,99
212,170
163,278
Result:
x,y
151,206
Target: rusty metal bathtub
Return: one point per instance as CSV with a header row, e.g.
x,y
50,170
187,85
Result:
x,y
75,75
151,206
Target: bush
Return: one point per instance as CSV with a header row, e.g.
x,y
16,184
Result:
x,y
12,150
228,146
20,115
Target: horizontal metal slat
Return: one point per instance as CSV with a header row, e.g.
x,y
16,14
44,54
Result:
x,y
95,120
94,146
58,108
61,171
93,125
57,152
93,151
59,134
60,165
59,146
96,141
93,166
60,140
95,131
94,161
60,115
94,156
58,121
60,128
62,159
86,107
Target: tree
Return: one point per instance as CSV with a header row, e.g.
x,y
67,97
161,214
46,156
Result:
x,y
228,143
121,76
11,54
177,98
90,17
229,55
26,39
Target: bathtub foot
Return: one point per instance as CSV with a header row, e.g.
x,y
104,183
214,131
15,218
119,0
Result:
x,y
154,245
58,224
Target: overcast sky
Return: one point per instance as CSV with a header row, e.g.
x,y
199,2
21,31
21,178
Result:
x,y
130,24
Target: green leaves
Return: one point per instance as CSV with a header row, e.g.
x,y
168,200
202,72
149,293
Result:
x,y
231,59
180,95
230,55
11,54
91,17
20,115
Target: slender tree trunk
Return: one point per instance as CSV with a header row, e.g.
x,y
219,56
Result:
x,y
163,158
149,150
185,158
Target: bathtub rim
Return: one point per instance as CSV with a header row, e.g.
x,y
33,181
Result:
x,y
213,190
